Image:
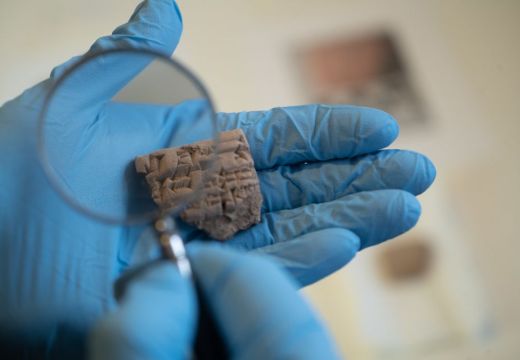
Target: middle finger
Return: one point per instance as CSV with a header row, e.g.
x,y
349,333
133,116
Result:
x,y
288,187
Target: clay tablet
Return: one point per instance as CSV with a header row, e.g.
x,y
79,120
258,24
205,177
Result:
x,y
231,199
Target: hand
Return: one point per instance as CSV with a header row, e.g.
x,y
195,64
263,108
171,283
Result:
x,y
156,317
328,192
316,216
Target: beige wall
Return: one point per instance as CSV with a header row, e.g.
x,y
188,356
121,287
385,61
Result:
x,y
464,55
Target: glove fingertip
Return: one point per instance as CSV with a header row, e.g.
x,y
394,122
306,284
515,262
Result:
x,y
405,209
331,249
430,172
346,242
315,255
378,128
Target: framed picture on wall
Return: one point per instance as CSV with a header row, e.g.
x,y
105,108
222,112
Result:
x,y
366,69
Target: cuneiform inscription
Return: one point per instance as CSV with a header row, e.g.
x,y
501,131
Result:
x,y
231,199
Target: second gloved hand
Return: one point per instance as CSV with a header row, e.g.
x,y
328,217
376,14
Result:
x,y
157,314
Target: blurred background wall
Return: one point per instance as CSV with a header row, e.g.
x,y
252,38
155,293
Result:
x,y
463,60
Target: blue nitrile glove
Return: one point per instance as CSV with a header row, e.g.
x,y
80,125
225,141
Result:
x,y
57,262
156,318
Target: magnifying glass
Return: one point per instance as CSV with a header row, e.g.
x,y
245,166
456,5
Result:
x,y
88,141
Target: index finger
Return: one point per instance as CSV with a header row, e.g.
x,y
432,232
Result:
x,y
290,135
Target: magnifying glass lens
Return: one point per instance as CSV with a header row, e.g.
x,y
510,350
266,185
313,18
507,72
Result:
x,y
96,122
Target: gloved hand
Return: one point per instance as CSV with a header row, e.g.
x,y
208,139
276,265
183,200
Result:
x,y
316,216
156,318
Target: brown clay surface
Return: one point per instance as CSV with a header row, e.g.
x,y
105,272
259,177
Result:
x,y
231,199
